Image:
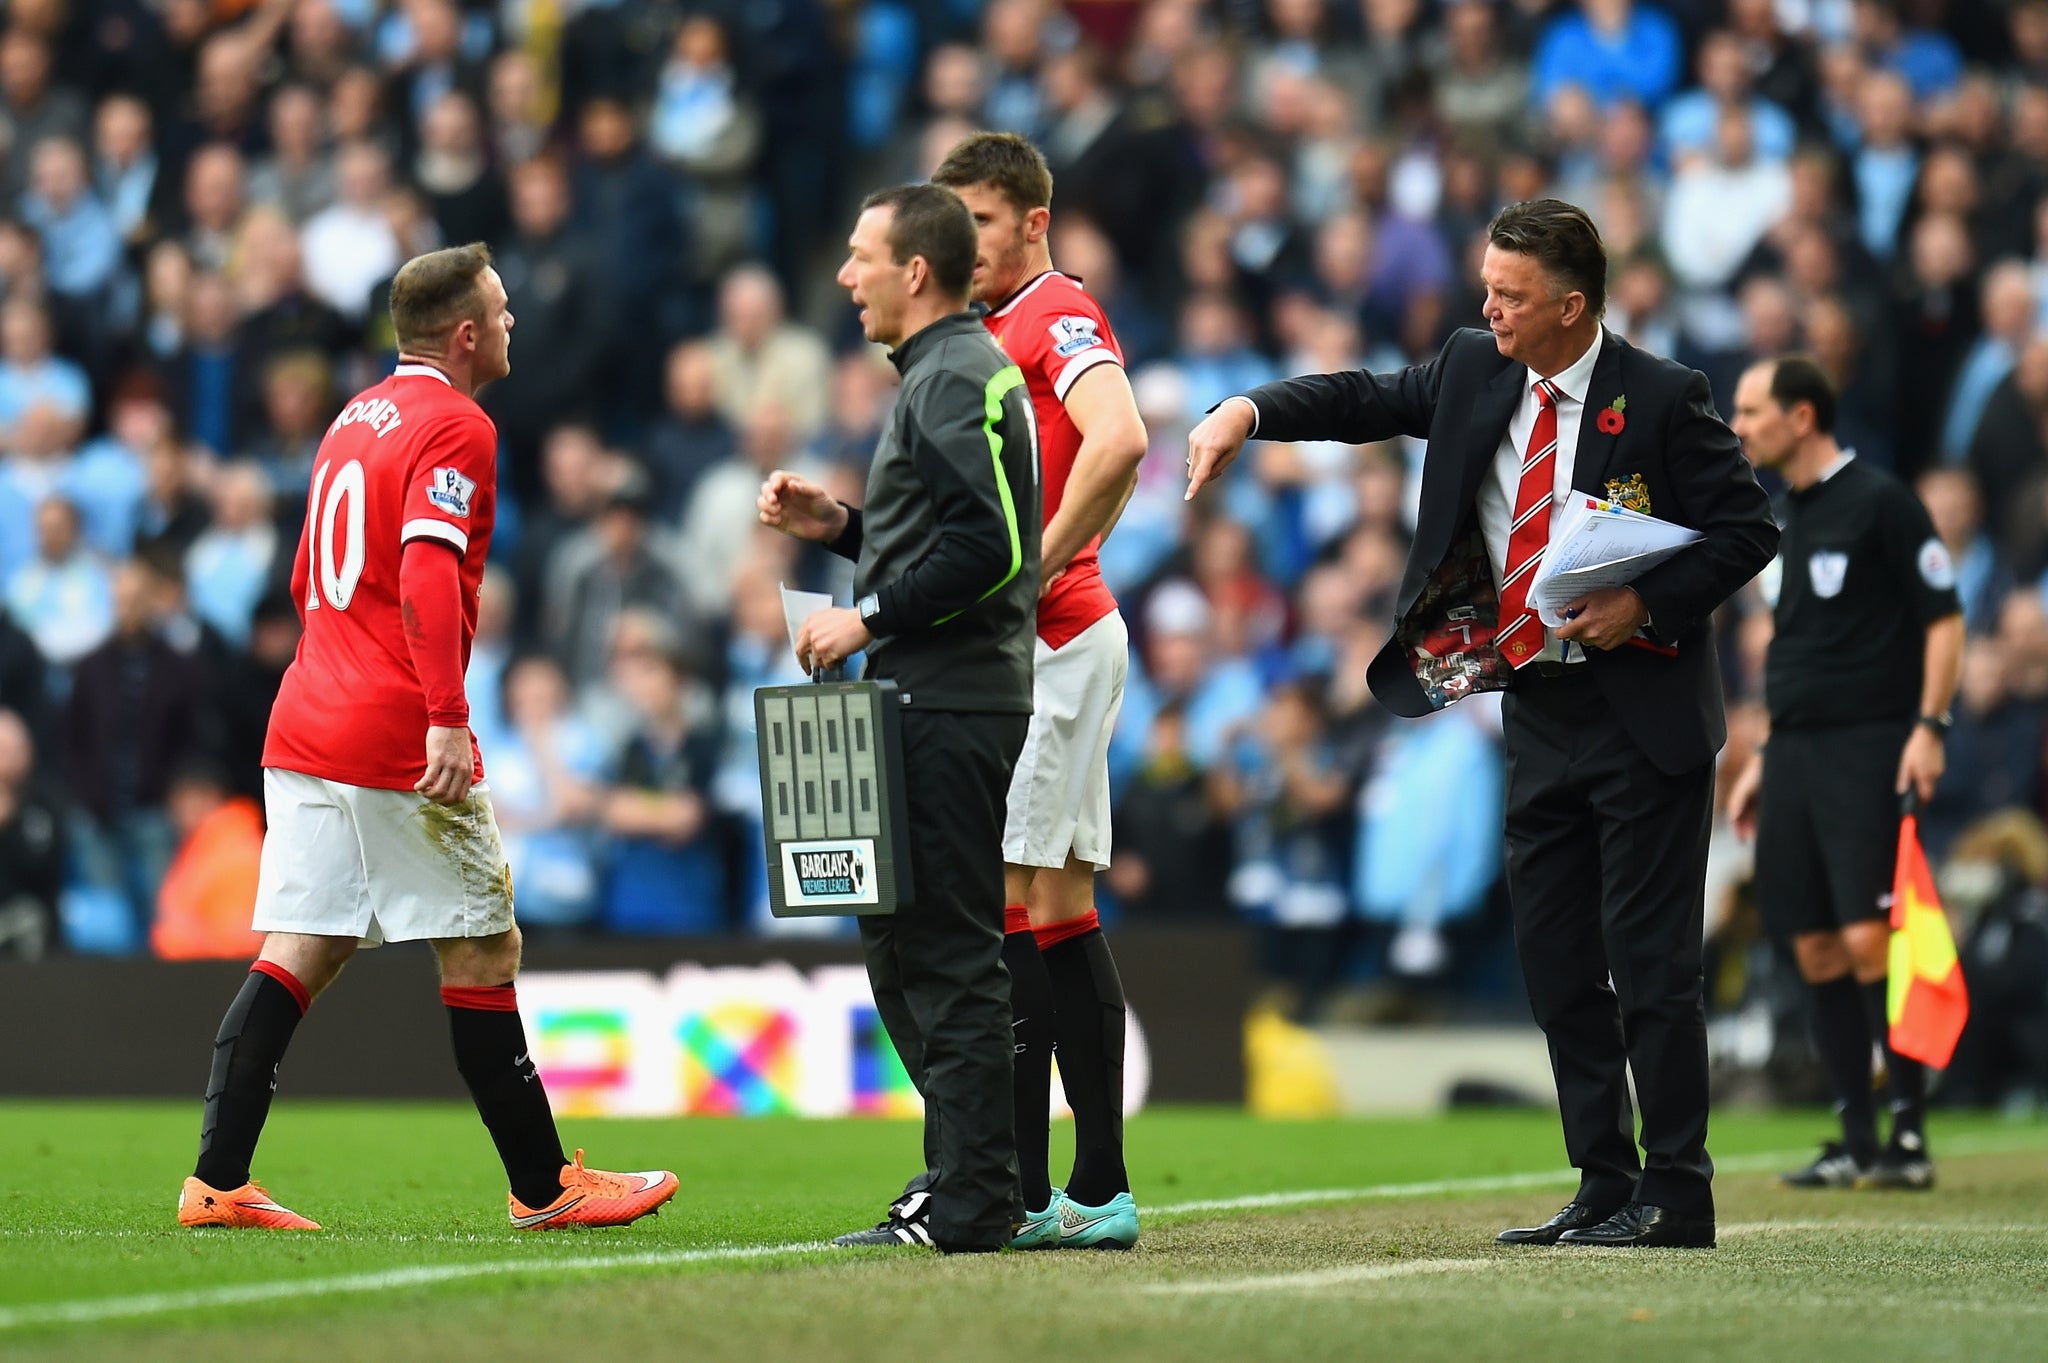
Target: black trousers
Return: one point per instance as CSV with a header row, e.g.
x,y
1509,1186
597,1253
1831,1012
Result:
x,y
937,968
1607,859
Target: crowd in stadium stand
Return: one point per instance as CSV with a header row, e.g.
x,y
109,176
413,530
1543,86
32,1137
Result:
x,y
202,202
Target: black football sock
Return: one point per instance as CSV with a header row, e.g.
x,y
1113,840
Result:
x,y
491,1053
1905,1078
1841,1039
1032,1033
1089,998
246,1052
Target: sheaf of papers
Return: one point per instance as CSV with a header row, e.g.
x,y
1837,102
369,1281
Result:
x,y
1598,544
798,607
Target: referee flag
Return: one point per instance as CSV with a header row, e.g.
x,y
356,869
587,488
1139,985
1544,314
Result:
x,y
1926,1002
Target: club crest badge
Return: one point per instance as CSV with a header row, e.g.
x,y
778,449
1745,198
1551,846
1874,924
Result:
x,y
1829,569
1631,492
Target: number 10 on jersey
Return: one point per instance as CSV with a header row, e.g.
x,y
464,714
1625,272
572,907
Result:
x,y
331,501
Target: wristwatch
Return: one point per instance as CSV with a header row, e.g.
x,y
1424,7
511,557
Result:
x,y
1940,724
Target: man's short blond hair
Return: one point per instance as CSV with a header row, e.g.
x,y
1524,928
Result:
x,y
435,293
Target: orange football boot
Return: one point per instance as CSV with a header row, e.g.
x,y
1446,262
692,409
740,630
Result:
x,y
593,1197
246,1208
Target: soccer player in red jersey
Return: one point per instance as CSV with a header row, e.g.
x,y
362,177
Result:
x,y
376,836
1090,440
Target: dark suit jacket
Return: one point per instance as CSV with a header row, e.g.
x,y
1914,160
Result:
x,y
1672,452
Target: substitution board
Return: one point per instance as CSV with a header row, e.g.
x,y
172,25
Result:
x,y
832,798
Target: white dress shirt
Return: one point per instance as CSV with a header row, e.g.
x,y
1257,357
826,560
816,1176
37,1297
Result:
x,y
1497,490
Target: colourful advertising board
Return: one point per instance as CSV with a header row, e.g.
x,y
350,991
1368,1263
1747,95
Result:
x,y
732,1041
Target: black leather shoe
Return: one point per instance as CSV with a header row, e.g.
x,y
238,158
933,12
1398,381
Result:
x,y
1573,1216
1642,1226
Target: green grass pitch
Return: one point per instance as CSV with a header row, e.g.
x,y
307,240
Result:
x,y
1263,1240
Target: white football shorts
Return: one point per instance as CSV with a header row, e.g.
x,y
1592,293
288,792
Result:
x,y
1059,794
379,865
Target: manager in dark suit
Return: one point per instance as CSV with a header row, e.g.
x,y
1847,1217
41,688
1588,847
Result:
x,y
1612,720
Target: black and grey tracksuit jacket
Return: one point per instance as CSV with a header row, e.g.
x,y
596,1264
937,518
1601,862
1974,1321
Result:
x,y
946,546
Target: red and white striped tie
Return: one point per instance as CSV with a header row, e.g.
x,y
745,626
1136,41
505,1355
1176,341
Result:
x,y
1520,637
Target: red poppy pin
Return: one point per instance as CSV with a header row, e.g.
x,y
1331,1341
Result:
x,y
1611,421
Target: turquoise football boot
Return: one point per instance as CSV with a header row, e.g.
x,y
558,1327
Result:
x,y
1041,1230
1111,1226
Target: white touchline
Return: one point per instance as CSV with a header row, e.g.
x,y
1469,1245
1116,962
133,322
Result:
x,y
1321,1278
92,1310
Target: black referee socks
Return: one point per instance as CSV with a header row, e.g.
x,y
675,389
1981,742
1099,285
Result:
x,y
246,1052
1906,1080
491,1053
1841,1039
1032,1033
1090,998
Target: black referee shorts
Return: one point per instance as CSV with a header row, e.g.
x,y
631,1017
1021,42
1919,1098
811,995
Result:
x,y
1827,840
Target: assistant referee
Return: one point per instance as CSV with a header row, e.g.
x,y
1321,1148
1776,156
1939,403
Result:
x,y
1862,667
946,588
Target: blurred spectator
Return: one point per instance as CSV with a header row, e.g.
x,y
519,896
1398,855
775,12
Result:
x,y
578,476
1609,48
215,198
243,686
720,522
761,359
173,513
545,765
349,245
61,597
1721,204
490,652
1423,861
32,846
453,168
2001,719
1172,858
757,654
108,480
24,683
666,874
209,888
1997,884
434,66
1928,60
557,294
32,376
1934,321
230,564
297,177
32,106
128,168
81,243
1886,165
1482,90
1957,510
132,720
689,436
706,126
516,100
621,563
1691,121
205,373
1277,782
863,392
298,403
2008,311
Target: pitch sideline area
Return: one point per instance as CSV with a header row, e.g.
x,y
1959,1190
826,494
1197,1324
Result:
x,y
1279,1240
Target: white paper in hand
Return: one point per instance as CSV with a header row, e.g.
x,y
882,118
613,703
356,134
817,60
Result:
x,y
798,607
1599,544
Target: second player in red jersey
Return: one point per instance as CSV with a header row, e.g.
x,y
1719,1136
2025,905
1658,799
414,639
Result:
x,y
410,459
1056,333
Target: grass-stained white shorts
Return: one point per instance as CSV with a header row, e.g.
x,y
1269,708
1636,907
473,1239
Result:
x,y
379,865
